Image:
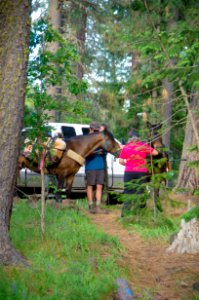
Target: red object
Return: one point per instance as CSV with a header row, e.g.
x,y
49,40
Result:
x,y
42,161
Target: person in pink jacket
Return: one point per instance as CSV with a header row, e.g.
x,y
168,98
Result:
x,y
133,157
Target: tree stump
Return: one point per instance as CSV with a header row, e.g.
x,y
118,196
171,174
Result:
x,y
187,239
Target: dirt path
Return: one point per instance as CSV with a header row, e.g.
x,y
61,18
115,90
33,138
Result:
x,y
153,274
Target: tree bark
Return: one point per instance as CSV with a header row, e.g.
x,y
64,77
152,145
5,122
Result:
x,y
14,45
54,12
167,91
79,22
167,110
81,38
188,176
43,202
187,240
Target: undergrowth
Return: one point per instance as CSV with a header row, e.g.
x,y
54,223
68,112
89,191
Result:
x,y
192,213
149,226
75,261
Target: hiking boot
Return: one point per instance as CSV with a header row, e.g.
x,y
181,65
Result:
x,y
92,209
99,210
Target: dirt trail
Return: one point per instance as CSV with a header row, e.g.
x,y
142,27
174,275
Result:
x,y
153,274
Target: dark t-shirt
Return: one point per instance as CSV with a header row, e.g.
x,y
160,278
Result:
x,y
96,161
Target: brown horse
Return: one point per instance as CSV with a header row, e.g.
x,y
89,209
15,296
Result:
x,y
72,158
159,165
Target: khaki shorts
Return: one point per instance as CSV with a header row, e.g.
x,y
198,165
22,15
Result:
x,y
94,177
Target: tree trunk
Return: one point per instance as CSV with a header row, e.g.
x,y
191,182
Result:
x,y
54,12
43,202
167,110
171,15
188,176
14,43
79,21
81,38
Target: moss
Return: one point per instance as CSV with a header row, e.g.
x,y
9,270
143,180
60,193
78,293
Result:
x,y
193,213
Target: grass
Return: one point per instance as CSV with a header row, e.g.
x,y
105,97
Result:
x,y
149,227
191,214
75,260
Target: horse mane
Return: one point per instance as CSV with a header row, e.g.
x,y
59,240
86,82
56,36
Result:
x,y
107,132
84,136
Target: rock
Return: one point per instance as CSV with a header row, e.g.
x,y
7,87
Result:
x,y
124,292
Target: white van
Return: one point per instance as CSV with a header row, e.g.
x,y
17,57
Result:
x,y
31,179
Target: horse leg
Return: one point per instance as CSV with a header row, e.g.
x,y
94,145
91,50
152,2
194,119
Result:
x,y
58,194
69,183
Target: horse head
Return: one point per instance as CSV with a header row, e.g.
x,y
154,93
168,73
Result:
x,y
25,162
110,144
155,134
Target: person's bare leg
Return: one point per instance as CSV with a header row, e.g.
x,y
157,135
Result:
x,y
99,189
89,191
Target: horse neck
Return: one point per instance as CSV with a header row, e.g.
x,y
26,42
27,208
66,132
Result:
x,y
90,143
23,162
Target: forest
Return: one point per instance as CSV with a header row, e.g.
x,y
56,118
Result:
x,y
120,60
128,64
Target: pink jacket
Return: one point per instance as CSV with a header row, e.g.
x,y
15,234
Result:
x,y
135,155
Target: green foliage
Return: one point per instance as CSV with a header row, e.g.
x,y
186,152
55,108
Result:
x,y
51,69
192,213
143,221
192,148
140,46
74,261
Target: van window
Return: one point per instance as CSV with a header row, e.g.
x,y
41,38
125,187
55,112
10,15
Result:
x,y
68,131
85,130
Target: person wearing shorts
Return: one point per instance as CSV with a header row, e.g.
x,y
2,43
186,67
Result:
x,y
95,174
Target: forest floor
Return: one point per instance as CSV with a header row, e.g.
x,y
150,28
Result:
x,y
153,273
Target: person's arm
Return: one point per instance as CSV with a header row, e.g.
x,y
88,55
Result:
x,y
154,152
122,161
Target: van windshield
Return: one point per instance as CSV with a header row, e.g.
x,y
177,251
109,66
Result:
x,y
68,132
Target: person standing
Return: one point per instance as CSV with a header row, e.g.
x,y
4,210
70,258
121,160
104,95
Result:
x,y
103,127
133,157
95,165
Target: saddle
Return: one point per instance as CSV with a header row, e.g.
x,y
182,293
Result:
x,y
52,148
